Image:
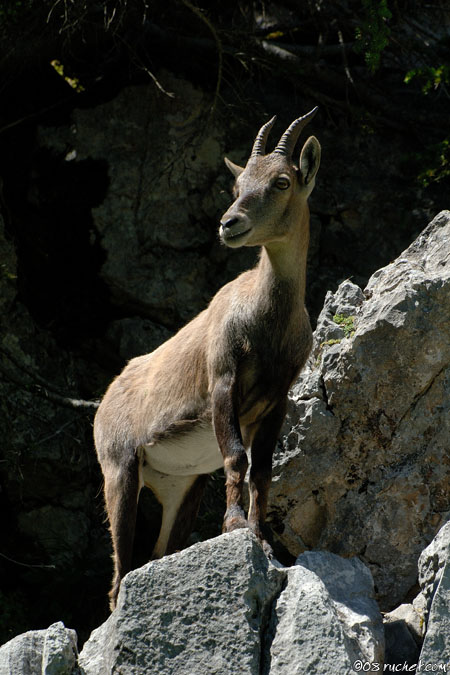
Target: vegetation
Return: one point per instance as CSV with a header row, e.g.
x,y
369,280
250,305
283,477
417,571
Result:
x,y
339,53
347,323
372,36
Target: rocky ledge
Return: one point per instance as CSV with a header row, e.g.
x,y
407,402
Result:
x,y
222,607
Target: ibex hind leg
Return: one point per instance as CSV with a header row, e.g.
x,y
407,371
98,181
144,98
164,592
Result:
x,y
187,513
179,497
122,489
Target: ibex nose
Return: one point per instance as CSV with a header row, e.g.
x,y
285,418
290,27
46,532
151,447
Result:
x,y
229,222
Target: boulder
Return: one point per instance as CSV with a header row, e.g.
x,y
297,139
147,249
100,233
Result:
x,y
48,652
326,618
203,610
403,629
222,607
309,637
406,627
349,584
362,467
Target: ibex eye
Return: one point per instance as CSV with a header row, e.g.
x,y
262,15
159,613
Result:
x,y
282,183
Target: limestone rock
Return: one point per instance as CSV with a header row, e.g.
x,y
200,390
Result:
x,y
47,652
432,562
222,607
309,636
362,468
436,646
401,647
350,586
203,610
325,618
406,613
434,578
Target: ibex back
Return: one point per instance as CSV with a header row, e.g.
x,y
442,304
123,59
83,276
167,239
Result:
x,y
218,388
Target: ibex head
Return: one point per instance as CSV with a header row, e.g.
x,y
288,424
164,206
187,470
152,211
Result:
x,y
270,190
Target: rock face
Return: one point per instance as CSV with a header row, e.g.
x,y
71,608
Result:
x,y
45,445
222,607
363,465
167,187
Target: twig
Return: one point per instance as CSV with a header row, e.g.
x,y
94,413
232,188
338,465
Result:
x,y
170,94
143,67
43,388
17,562
67,401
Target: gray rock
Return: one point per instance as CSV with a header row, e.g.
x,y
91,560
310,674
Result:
x,y
365,443
325,618
135,336
434,599
222,607
350,586
436,646
60,650
432,562
41,652
401,647
309,637
203,610
342,304
164,195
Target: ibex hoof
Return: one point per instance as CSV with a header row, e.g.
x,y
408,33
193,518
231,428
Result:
x,y
234,520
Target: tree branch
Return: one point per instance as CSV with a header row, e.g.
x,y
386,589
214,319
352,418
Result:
x,y
43,388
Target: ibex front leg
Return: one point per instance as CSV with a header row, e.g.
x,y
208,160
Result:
x,y
262,449
228,434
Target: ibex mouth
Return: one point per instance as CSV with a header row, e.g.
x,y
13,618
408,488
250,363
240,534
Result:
x,y
233,239
231,235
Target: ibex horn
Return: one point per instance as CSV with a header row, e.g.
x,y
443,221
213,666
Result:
x,y
259,146
288,140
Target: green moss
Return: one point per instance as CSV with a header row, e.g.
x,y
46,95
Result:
x,y
326,343
347,323
330,342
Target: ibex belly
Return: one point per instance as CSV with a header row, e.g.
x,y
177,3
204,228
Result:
x,y
189,453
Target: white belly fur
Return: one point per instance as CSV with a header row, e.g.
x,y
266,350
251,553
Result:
x,y
191,453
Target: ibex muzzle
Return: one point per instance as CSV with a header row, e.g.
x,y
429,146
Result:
x,y
218,388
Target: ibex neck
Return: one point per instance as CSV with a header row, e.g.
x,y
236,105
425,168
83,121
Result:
x,y
285,261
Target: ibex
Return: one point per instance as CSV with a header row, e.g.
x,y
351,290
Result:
x,y
218,388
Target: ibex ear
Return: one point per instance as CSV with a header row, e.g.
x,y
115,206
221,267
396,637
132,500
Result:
x,y
234,168
310,160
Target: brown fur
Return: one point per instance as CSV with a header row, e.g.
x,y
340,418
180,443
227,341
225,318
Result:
x,y
233,364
